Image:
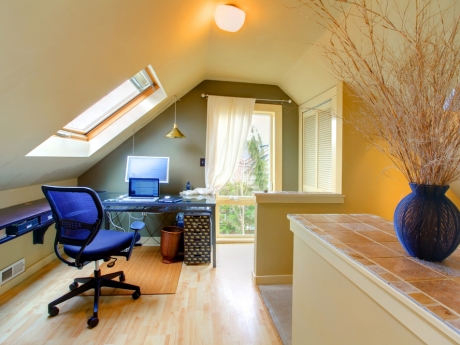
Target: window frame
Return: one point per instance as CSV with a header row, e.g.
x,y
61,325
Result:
x,y
335,96
116,115
275,111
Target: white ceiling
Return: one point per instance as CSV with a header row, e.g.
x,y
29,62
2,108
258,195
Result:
x,y
58,57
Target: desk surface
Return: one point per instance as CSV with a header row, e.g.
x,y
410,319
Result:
x,y
17,213
371,242
112,199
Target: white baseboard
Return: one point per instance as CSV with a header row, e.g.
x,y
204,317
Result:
x,y
271,280
233,240
27,273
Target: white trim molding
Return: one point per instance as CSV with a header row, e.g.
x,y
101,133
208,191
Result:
x,y
271,279
333,98
298,198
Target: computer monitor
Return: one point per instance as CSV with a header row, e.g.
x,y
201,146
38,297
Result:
x,y
148,167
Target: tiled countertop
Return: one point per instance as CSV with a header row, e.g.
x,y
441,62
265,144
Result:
x,y
371,242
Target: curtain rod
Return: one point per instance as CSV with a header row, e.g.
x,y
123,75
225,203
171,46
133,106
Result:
x,y
257,99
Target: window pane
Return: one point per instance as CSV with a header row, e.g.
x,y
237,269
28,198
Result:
x,y
253,171
109,104
236,219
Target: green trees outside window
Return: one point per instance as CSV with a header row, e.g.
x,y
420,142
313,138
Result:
x,y
251,175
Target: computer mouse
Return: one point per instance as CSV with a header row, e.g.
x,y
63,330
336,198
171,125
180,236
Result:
x,y
167,196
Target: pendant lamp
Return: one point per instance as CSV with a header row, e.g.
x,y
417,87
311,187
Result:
x,y
175,133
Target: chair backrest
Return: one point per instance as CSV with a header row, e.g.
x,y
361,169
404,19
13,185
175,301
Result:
x,y
77,212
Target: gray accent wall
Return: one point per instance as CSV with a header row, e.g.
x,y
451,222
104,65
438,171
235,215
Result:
x,y
109,173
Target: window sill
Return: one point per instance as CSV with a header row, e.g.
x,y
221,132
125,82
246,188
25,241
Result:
x,y
230,240
299,198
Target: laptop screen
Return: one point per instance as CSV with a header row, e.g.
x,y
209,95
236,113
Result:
x,y
144,187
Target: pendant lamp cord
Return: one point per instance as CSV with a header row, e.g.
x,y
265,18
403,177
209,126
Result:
x,y
175,102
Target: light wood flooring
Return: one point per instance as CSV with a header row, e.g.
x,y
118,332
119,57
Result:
x,y
211,306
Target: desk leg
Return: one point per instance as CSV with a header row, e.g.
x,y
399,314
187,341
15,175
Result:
x,y
213,236
38,235
106,220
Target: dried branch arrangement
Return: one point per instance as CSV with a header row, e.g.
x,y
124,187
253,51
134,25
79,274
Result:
x,y
403,64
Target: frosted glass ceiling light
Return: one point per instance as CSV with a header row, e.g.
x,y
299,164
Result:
x,y
229,18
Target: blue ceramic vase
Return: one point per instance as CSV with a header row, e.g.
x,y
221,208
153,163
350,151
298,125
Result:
x,y
427,223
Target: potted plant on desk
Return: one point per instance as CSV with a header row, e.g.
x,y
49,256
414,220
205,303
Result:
x,y
402,61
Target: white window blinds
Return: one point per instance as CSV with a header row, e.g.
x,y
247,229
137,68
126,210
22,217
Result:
x,y
309,151
317,149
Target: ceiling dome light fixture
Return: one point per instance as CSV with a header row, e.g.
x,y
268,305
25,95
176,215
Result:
x,y
175,133
229,18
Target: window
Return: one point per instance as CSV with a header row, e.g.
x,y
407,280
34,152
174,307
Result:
x,y
105,120
259,169
321,143
110,107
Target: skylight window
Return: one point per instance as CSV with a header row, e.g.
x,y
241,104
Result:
x,y
106,119
109,104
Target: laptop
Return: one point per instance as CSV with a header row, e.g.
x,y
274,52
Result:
x,y
143,189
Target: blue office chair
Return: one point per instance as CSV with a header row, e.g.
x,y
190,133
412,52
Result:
x,y
78,214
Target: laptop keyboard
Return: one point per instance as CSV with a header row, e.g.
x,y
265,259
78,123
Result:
x,y
130,198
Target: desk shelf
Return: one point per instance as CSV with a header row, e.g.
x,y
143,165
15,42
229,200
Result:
x,y
23,212
38,233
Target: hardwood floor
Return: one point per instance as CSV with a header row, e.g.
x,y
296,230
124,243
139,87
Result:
x,y
211,306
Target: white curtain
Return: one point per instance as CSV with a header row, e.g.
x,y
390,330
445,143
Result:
x,y
228,125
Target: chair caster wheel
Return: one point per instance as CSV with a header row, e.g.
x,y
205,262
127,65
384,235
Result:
x,y
136,294
53,311
92,322
73,286
122,277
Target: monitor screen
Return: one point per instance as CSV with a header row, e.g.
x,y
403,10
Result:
x,y
148,167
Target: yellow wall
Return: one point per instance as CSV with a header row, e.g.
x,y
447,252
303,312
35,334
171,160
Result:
x,y
367,183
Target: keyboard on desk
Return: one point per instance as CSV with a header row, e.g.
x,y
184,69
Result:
x,y
145,199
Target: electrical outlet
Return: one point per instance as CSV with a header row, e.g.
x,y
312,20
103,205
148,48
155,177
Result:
x,y
202,161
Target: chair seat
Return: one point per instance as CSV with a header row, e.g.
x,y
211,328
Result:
x,y
105,244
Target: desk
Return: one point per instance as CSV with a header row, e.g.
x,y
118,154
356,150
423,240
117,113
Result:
x,y
27,211
198,204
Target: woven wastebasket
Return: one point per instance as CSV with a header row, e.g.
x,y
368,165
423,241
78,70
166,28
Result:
x,y
171,239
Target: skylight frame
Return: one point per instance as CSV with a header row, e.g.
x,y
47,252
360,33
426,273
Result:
x,y
122,107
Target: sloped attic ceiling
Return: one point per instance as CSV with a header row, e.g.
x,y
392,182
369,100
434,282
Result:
x,y
58,57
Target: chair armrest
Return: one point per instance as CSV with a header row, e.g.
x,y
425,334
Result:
x,y
137,225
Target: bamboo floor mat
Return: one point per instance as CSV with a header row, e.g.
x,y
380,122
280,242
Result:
x,y
145,270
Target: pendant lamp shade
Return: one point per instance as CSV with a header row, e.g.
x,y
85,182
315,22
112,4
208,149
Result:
x,y
229,18
175,133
